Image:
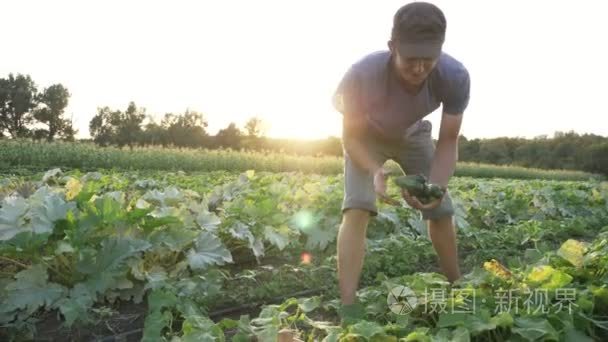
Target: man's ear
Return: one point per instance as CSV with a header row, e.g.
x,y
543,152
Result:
x,y
391,46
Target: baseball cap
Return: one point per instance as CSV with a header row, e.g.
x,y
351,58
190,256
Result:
x,y
419,30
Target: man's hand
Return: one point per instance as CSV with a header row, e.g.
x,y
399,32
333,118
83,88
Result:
x,y
380,186
416,204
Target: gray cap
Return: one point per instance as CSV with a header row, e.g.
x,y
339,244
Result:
x,y
419,30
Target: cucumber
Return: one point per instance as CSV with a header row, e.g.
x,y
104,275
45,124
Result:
x,y
415,184
418,186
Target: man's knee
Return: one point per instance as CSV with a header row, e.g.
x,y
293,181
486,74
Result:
x,y
356,217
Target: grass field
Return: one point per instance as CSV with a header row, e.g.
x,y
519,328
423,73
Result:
x,y
26,155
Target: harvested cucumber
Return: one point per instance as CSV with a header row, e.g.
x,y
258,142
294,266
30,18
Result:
x,y
418,186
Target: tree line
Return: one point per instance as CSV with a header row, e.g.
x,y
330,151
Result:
x,y
565,150
27,113
133,127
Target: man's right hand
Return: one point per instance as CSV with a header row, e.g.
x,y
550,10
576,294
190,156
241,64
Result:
x,y
380,175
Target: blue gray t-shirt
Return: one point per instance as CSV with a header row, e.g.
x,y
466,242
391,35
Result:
x,y
369,92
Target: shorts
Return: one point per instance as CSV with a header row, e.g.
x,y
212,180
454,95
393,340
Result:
x,y
414,154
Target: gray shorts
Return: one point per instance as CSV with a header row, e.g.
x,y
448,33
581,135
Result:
x,y
414,154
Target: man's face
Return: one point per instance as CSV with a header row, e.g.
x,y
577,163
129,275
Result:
x,y
413,70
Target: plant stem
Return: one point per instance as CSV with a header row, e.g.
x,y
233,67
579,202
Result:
x,y
13,261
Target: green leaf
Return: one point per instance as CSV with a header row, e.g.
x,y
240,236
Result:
x,y
105,266
46,208
478,324
319,237
503,320
170,197
158,318
242,231
51,175
447,320
200,328
278,237
533,329
208,250
442,336
532,255
461,335
175,238
156,277
76,306
109,208
333,336
309,304
12,210
31,290
366,329
573,335
420,335
26,243
208,221
572,251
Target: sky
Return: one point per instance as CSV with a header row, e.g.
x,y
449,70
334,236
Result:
x,y
536,67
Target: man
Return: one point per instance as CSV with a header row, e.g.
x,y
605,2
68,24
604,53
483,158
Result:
x,y
383,98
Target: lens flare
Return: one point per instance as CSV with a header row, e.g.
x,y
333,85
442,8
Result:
x,y
303,220
306,258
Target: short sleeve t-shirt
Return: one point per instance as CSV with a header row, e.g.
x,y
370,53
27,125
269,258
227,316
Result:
x,y
371,93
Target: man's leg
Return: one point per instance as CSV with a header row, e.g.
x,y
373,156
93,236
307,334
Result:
x,y
351,252
359,204
415,157
443,237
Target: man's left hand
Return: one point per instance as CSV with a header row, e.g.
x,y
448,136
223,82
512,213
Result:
x,y
416,204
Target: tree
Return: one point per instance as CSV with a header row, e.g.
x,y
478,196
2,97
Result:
x,y
255,132
17,99
229,136
55,100
154,134
255,127
103,126
115,127
129,127
186,130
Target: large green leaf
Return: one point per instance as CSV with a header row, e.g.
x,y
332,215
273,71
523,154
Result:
x,y
277,236
208,250
208,221
47,207
532,329
31,290
12,210
367,329
319,237
158,317
108,264
37,214
171,196
200,328
461,335
76,305
309,304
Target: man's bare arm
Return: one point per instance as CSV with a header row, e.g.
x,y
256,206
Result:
x,y
355,148
446,151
